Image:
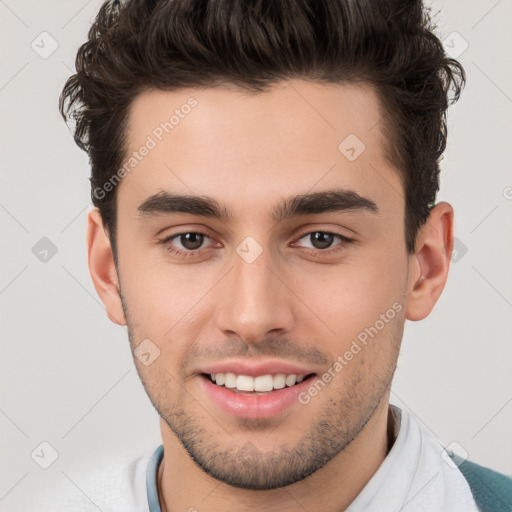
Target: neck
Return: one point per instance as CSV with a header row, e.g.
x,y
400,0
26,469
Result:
x,y
183,485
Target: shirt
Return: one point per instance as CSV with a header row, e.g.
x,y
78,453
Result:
x,y
416,476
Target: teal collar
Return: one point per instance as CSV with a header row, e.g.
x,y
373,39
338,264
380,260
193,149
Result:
x,y
151,479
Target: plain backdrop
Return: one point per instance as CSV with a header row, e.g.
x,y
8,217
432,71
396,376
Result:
x,y
67,377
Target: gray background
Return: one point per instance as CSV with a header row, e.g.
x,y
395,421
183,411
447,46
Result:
x,y
67,376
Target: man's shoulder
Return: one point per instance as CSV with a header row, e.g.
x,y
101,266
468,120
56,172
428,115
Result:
x,y
492,490
113,484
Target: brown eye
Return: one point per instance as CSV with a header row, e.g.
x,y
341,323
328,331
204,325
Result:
x,y
186,243
321,239
191,241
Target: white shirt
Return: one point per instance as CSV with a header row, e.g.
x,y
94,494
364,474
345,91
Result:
x,y
414,477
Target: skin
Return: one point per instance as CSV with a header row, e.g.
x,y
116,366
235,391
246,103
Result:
x,y
250,152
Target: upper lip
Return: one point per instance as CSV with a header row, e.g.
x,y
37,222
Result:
x,y
254,369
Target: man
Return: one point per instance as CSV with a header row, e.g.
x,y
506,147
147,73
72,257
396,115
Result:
x,y
264,178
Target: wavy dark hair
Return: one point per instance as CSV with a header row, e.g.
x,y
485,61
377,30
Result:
x,y
172,44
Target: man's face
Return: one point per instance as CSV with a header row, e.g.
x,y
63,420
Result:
x,y
247,294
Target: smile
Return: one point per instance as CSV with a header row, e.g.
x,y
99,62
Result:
x,y
260,397
260,383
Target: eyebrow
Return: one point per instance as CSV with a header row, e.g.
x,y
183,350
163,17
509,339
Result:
x,y
335,200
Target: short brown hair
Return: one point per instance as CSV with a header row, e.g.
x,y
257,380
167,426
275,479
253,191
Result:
x,y
174,44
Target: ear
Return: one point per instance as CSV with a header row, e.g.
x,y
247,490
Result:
x,y
102,267
429,265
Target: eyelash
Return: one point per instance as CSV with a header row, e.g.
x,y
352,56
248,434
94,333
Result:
x,y
345,241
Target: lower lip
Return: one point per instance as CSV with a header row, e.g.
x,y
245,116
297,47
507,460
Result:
x,y
253,406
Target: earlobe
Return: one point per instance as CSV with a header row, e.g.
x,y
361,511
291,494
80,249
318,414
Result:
x,y
102,267
429,267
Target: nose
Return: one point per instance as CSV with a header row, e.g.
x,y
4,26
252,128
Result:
x,y
255,300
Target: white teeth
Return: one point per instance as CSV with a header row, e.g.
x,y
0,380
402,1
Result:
x,y
291,379
279,381
244,383
262,383
229,380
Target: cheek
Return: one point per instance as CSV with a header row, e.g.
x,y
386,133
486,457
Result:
x,y
166,303
351,298
154,287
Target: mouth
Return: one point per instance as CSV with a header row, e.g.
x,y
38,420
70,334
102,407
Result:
x,y
258,385
259,397
255,389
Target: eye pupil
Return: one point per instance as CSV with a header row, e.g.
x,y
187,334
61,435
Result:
x,y
192,241
323,239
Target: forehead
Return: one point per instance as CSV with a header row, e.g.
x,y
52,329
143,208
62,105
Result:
x,y
253,148
296,109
